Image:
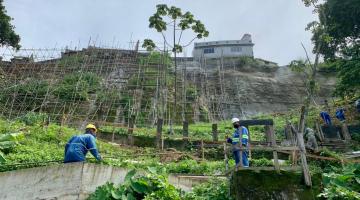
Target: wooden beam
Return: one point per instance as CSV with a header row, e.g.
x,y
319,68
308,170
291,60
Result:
x,y
159,134
304,164
255,122
273,144
345,132
214,128
185,130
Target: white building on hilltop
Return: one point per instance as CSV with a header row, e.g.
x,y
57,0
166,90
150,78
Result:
x,y
227,48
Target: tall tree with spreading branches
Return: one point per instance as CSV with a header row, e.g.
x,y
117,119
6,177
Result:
x,y
336,36
8,37
173,19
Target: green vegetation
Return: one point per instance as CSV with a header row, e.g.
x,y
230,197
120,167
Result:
x,y
77,86
150,186
215,189
342,183
8,37
336,36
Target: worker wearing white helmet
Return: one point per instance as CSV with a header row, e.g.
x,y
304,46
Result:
x,y
78,146
241,134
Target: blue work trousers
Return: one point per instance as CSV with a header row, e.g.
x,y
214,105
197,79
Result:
x,y
245,160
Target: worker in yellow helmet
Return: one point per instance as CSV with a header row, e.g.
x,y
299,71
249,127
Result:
x,y
78,146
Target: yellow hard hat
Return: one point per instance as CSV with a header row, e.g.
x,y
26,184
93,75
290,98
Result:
x,y
91,126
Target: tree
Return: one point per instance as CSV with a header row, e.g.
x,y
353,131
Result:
x,y
173,18
336,36
8,37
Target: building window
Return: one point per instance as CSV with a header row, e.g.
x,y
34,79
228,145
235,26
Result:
x,y
209,50
236,49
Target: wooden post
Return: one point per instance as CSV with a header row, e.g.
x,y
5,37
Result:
x,y
202,150
273,144
159,133
301,127
131,130
304,164
319,131
185,130
268,134
249,142
225,157
345,131
215,132
113,135
240,157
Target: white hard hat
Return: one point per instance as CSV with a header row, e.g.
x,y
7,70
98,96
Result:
x,y
233,120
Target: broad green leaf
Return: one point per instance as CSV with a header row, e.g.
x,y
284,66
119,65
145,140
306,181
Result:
x,y
116,194
152,170
2,158
129,175
130,197
11,136
140,186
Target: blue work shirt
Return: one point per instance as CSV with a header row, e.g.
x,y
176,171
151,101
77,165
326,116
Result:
x,y
340,114
326,117
78,146
237,136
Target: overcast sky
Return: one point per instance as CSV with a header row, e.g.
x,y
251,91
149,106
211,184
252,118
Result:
x,y
277,26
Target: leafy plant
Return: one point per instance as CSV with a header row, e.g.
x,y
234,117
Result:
x,y
136,186
216,189
32,118
7,141
77,86
343,183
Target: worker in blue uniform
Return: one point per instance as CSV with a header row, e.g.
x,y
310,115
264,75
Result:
x,y
340,114
241,134
326,117
78,146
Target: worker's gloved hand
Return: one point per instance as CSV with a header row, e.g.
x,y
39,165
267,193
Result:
x,y
99,158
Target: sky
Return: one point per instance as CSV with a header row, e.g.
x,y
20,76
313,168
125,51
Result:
x,y
277,26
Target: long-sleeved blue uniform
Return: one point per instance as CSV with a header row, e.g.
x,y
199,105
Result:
x,y
326,117
340,114
78,146
238,135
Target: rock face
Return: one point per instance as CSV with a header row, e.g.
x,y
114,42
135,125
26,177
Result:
x,y
245,89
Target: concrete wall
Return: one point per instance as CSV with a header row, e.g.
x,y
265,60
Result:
x,y
223,51
69,181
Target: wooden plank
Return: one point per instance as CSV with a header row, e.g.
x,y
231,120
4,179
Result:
x,y
226,160
268,134
214,128
255,122
131,130
320,132
159,133
345,131
304,164
273,144
258,169
202,150
185,130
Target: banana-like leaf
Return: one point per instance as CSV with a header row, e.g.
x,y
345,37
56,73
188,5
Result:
x,y
129,175
7,144
2,158
11,136
9,140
